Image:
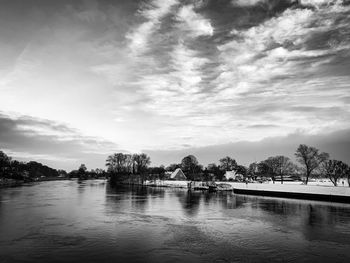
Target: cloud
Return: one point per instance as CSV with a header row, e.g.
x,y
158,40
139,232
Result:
x,y
246,2
28,156
186,68
278,59
51,142
319,3
260,50
313,3
261,82
337,144
169,74
153,13
193,23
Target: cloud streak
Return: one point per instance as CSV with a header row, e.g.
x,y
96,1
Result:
x,y
245,152
153,13
193,23
39,139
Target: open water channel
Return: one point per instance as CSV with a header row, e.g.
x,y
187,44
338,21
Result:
x,y
71,221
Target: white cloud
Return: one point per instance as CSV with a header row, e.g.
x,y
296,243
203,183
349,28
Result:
x,y
259,53
246,2
175,92
246,87
194,23
38,157
318,3
140,35
186,67
314,3
263,67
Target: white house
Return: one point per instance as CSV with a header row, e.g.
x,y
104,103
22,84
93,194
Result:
x,y
178,175
233,175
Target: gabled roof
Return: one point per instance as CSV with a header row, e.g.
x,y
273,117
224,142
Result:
x,y
178,175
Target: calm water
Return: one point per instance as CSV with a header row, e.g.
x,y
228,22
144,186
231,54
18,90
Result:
x,y
68,221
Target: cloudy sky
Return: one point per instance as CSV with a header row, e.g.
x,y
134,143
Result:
x,y
82,79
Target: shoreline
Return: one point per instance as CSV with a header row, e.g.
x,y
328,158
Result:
x,y
8,183
293,190
295,195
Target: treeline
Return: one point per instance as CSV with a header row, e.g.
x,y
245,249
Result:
x,y
120,163
83,174
310,163
120,166
32,171
13,169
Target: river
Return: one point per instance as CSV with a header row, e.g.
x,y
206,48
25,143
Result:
x,y
71,221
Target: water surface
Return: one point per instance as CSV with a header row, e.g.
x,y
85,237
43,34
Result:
x,y
71,221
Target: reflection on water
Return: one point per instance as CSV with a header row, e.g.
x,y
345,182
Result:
x,y
69,221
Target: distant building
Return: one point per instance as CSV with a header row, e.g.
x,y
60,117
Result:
x,y
233,176
178,175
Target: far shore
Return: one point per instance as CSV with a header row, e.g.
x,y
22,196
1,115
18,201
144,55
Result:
x,y
4,182
317,186
317,190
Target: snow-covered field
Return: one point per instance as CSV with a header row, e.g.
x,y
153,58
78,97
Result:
x,y
314,187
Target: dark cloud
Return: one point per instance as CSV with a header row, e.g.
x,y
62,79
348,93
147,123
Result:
x,y
346,99
337,144
52,143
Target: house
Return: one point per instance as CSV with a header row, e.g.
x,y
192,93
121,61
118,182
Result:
x,y
178,175
233,176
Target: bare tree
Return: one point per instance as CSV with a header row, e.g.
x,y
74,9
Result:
x,y
82,172
347,174
265,168
116,163
82,168
278,166
129,162
310,158
189,164
284,166
110,163
228,164
5,164
253,169
334,170
141,162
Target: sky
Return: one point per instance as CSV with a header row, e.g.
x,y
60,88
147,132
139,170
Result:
x,y
80,80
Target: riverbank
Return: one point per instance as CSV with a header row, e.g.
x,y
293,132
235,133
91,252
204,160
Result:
x,y
4,182
297,191
287,190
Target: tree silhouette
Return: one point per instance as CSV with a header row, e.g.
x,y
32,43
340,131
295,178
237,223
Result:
x,y
334,170
310,158
228,164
